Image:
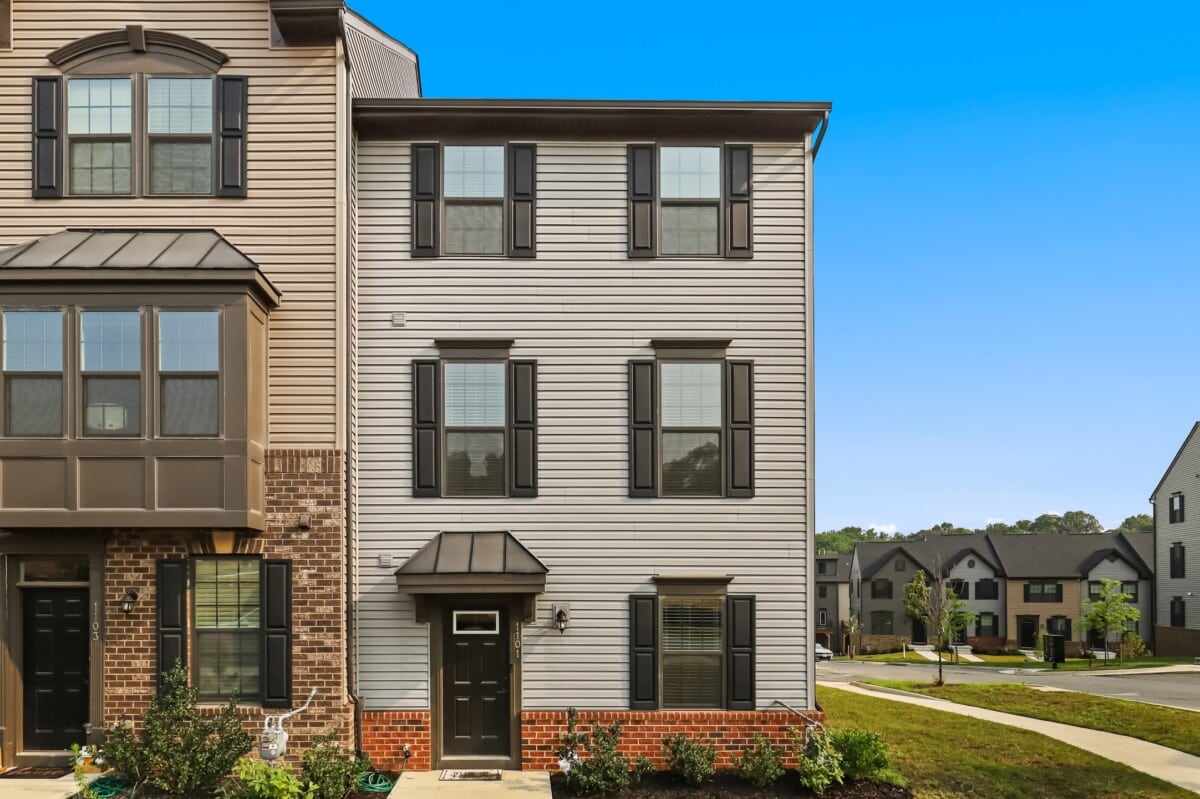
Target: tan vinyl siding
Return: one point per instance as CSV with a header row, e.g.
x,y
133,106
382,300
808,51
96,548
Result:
x,y
582,309
286,224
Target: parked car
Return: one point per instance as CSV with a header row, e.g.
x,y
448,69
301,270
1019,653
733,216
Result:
x,y
824,652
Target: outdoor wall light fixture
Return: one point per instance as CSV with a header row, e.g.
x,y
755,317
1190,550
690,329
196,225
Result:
x,y
562,615
128,600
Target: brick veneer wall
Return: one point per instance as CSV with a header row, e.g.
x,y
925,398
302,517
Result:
x,y
1176,642
642,731
882,643
298,482
385,733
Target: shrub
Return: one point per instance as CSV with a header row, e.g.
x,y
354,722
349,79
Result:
x,y
605,770
694,762
258,779
818,764
1132,645
762,763
864,755
180,751
329,770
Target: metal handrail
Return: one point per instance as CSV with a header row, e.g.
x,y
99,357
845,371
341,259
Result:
x,y
808,721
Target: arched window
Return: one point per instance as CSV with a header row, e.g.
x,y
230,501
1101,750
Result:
x,y
139,112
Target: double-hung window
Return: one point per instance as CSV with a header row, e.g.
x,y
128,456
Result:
x,y
881,588
179,132
1059,625
882,622
1043,592
100,135
228,627
1178,567
985,625
1178,612
961,588
1094,589
691,428
189,367
474,422
692,201
474,200
693,646
32,373
987,589
112,372
474,428
1175,509
1130,589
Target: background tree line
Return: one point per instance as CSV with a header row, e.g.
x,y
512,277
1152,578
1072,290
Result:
x,y
1074,522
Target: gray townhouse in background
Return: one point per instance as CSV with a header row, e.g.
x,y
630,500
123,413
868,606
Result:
x,y
1177,552
831,602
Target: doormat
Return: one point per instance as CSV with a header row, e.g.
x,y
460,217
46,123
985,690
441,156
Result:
x,y
35,773
456,775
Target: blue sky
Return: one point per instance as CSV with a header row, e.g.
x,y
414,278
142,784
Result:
x,y
1007,212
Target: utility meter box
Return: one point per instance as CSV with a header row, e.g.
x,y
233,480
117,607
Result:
x,y
273,744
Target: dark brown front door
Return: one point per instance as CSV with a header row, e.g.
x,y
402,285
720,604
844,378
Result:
x,y
918,636
1027,631
55,670
476,701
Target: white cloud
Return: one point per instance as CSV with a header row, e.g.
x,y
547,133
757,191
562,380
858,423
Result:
x,y
889,529
993,520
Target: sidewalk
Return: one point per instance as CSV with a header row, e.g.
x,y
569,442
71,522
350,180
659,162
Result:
x,y
38,789
1167,764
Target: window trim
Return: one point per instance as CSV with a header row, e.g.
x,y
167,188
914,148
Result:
x,y
159,374
1175,515
661,429
1177,565
879,594
720,597
64,371
194,632
148,138
70,138
822,617
503,200
80,374
682,202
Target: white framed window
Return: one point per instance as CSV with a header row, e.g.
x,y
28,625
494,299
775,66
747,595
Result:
x,y
690,200
100,135
473,185
179,134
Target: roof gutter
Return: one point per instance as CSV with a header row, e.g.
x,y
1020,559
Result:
x,y
816,148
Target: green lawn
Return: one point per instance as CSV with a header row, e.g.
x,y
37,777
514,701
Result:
x,y
945,756
1020,662
1167,726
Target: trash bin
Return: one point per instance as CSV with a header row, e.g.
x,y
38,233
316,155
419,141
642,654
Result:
x,y
1055,647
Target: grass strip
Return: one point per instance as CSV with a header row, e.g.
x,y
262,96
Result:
x,y
1166,726
946,756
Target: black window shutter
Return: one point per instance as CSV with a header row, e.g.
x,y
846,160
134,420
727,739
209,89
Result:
x,y
739,239
522,195
739,429
47,137
1026,587
641,201
277,633
739,652
643,433
1180,508
427,445
424,200
231,136
643,652
171,607
522,430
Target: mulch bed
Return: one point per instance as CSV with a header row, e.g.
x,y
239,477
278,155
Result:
x,y
664,785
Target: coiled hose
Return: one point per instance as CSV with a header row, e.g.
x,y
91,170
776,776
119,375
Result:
x,y
107,788
374,782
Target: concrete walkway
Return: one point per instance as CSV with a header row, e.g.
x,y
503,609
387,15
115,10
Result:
x,y
1163,762
38,789
511,785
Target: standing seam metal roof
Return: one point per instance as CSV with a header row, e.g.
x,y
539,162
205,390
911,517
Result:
x,y
380,67
127,249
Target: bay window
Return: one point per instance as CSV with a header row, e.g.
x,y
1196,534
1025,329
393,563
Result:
x,y
32,373
111,363
189,372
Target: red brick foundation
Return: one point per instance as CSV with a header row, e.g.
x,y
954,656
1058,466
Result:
x,y
298,482
1176,642
385,733
642,731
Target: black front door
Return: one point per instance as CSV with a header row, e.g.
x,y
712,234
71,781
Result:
x,y
1027,628
918,636
476,703
55,667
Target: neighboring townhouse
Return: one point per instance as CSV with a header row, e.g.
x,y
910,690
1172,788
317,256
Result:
x,y
832,600
880,571
174,295
1051,577
1177,553
584,423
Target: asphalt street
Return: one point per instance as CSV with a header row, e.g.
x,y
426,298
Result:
x,y
1180,689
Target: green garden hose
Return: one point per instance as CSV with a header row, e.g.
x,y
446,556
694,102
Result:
x,y
107,788
374,782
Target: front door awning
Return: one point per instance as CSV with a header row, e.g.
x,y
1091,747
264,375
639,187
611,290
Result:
x,y
472,563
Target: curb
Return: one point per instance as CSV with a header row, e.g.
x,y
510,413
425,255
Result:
x,y
883,689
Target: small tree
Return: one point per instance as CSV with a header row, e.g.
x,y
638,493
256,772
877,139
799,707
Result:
x,y
937,605
1108,613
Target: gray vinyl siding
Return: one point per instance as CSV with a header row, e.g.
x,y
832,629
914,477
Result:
x,y
1181,477
981,571
582,310
1122,571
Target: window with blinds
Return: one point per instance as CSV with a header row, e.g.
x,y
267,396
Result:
x,y
692,650
691,415
474,395
228,627
474,191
